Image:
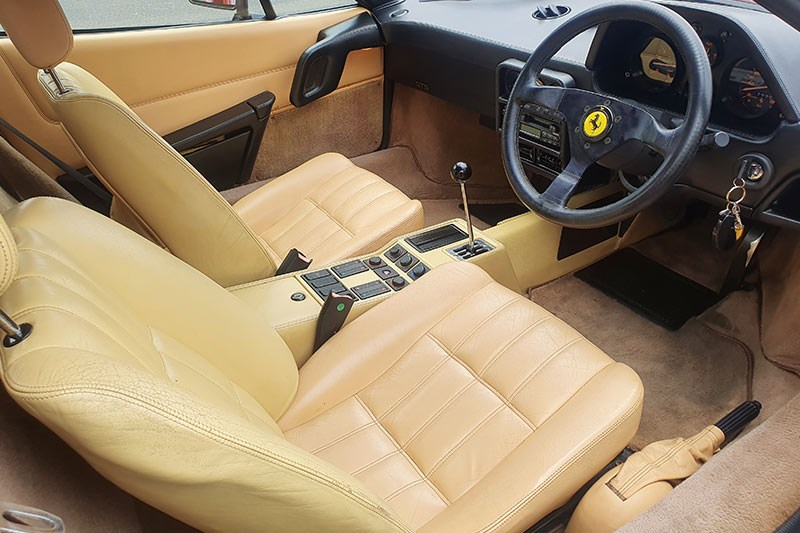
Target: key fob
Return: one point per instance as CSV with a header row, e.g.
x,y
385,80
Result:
x,y
725,234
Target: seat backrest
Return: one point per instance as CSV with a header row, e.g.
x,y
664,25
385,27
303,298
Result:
x,y
160,191
166,383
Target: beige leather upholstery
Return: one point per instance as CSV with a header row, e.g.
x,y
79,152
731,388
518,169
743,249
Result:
x,y
456,405
39,29
329,209
646,477
463,405
158,193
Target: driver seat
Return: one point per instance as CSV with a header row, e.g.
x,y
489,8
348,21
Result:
x,y
328,208
455,405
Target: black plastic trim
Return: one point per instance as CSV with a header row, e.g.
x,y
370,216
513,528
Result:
x,y
223,147
320,67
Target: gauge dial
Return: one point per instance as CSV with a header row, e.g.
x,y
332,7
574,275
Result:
x,y
659,62
748,89
712,51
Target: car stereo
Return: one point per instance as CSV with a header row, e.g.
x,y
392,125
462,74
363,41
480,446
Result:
x,y
541,132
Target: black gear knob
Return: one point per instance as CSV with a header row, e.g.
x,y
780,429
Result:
x,y
461,172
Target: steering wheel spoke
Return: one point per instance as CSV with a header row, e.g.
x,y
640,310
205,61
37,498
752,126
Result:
x,y
563,187
657,137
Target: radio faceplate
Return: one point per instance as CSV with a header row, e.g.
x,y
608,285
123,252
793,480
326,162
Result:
x,y
542,135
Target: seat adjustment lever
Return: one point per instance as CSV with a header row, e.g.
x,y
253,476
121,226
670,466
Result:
x,y
293,262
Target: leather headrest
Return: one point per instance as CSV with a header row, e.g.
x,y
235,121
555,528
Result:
x,y
38,29
8,256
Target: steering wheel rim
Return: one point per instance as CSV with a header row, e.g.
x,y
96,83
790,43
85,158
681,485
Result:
x,y
677,145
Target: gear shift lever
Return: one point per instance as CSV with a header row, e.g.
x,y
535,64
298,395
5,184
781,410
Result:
x,y
461,173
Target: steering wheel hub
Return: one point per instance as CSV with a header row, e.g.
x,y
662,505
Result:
x,y
597,123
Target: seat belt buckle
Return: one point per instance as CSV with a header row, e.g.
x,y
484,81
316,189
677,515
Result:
x,y
332,317
293,262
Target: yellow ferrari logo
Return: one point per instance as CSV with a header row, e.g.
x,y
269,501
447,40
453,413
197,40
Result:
x,y
595,124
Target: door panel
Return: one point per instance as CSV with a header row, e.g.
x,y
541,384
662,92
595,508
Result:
x,y
174,77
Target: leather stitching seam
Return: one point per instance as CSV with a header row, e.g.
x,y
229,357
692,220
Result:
x,y
212,433
403,452
214,85
531,327
541,366
486,384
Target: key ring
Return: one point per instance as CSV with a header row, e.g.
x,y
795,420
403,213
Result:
x,y
734,189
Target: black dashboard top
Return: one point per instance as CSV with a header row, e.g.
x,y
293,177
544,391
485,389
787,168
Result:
x,y
486,32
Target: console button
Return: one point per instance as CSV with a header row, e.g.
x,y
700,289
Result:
x,y
350,268
386,272
406,262
371,289
316,275
395,252
418,271
323,282
398,283
375,262
337,287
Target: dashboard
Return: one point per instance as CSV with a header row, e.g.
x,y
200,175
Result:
x,y
469,52
635,61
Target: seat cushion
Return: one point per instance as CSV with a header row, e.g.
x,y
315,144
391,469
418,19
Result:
x,y
329,209
464,406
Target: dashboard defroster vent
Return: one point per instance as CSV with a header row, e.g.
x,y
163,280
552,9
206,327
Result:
x,y
549,11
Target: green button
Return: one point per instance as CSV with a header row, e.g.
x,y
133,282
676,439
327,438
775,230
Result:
x,y
340,307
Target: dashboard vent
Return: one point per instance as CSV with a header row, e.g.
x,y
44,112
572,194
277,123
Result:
x,y
549,11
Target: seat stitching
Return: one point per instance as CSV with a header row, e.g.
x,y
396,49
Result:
x,y
432,418
483,322
326,240
342,438
369,201
515,509
330,216
541,366
288,227
338,187
75,315
484,383
494,358
402,489
297,239
396,230
375,462
137,122
239,401
419,384
224,438
404,452
446,315
466,438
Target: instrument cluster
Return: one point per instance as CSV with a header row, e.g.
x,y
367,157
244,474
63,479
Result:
x,y
636,61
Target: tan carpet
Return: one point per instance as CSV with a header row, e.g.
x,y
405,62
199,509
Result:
x,y
780,272
39,470
753,485
691,377
349,122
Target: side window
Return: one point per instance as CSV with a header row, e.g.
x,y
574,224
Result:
x,y
123,14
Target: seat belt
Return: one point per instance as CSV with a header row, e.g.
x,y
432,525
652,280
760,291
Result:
x,y
95,189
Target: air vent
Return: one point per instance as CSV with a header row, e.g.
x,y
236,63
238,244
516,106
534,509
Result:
x,y
549,11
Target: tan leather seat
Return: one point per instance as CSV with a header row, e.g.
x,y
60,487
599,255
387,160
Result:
x,y
456,405
328,208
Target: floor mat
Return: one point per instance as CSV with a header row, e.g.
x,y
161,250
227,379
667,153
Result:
x,y
692,377
649,288
493,214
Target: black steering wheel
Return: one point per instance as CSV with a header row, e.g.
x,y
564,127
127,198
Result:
x,y
597,124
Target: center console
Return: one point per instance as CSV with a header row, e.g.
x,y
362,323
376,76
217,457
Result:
x,y
292,303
